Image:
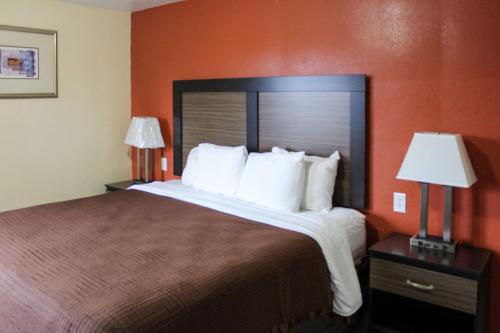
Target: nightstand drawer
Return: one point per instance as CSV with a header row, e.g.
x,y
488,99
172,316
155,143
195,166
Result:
x,y
437,288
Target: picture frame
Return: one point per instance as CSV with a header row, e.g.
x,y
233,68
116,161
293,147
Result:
x,y
28,62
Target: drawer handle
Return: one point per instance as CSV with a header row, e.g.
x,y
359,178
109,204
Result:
x,y
419,286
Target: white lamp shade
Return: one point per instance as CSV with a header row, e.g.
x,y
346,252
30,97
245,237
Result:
x,y
144,132
438,158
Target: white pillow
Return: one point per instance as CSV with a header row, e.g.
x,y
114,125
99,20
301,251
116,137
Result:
x,y
191,169
320,174
220,168
273,180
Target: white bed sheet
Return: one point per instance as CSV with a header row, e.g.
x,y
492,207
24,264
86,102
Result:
x,y
340,233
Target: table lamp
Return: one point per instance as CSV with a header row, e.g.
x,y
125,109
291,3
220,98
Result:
x,y
144,133
437,158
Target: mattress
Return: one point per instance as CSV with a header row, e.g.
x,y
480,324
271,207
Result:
x,y
340,233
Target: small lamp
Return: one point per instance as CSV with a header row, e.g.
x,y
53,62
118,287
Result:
x,y
437,158
144,133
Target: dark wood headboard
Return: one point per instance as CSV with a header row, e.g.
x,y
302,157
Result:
x,y
316,114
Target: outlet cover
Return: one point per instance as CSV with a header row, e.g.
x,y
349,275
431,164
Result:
x,y
399,202
164,164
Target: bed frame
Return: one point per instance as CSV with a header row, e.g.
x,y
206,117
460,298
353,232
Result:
x,y
317,114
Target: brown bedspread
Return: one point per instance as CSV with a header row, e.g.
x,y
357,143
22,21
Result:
x,y
130,261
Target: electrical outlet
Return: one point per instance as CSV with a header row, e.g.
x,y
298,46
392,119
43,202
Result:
x,y
164,164
399,202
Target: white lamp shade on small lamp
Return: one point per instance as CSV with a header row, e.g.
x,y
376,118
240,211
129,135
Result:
x,y
438,158
144,132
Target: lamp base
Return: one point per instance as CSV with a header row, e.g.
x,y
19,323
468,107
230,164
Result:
x,y
433,243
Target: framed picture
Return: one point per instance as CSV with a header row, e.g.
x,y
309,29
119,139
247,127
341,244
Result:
x,y
28,62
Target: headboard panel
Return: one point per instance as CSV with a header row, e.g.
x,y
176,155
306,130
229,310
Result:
x,y
304,121
317,114
215,117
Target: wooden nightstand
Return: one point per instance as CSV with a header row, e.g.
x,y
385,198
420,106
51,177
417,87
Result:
x,y
119,186
416,290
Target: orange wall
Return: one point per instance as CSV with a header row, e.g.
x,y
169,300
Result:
x,y
432,65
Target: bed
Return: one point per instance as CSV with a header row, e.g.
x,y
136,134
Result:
x,y
163,257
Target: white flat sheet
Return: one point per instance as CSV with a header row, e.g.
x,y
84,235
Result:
x,y
337,232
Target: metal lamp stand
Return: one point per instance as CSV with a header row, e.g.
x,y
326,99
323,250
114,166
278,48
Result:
x,y
445,244
147,171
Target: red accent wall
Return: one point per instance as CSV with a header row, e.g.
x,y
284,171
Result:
x,y
432,65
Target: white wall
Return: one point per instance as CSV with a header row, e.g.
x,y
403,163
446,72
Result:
x,y
68,147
